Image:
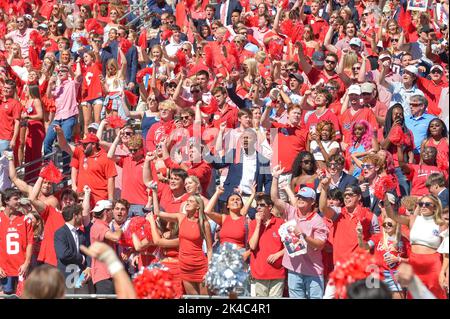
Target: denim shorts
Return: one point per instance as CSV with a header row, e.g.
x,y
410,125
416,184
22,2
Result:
x,y
93,101
9,284
392,283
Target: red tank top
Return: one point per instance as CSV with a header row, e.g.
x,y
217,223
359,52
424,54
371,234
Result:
x,y
233,231
191,242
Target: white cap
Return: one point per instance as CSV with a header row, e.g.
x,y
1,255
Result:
x,y
94,126
384,56
354,89
102,205
356,41
437,66
412,69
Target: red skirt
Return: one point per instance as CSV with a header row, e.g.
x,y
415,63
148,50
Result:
x,y
427,267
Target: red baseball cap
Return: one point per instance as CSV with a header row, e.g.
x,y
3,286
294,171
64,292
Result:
x,y
90,138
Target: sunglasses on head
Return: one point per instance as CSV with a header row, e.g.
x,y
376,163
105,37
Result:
x,y
387,224
425,204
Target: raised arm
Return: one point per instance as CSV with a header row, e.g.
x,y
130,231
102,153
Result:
x,y
323,200
249,202
327,41
278,203
86,206
306,67
393,214
62,142
21,185
33,196
217,218
115,143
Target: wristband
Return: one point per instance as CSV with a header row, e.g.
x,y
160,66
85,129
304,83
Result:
x,y
115,267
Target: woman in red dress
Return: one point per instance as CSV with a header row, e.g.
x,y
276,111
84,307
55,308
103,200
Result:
x,y
234,224
32,117
194,228
437,137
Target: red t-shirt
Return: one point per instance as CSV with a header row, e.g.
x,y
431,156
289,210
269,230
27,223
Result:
x,y
418,177
269,243
167,201
99,270
316,75
93,171
53,221
228,114
403,248
346,121
432,92
314,119
15,235
288,143
9,112
92,87
133,188
318,25
156,133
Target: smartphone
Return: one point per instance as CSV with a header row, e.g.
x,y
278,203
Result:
x,y
80,280
177,118
146,210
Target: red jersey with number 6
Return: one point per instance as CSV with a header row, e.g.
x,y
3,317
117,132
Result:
x,y
16,233
92,87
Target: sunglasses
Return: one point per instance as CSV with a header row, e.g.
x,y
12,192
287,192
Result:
x,y
187,117
184,49
356,68
261,205
415,104
195,91
330,61
365,14
394,40
367,166
133,150
425,204
334,165
128,133
436,71
387,224
172,85
350,194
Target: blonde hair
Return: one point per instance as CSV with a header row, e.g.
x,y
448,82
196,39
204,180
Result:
x,y
168,104
350,59
397,236
252,66
196,181
44,282
201,214
437,216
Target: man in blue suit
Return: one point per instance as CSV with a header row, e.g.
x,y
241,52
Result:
x,y
70,261
437,186
227,7
245,166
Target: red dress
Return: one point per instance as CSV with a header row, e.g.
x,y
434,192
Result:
x,y
170,260
33,144
193,262
233,231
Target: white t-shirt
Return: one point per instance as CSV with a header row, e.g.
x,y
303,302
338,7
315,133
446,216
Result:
x,y
315,149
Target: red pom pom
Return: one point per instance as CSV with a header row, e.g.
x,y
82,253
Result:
x,y
51,173
115,121
189,3
155,284
92,25
211,108
36,37
84,41
275,50
292,30
209,58
131,98
285,4
125,45
357,267
138,225
396,135
181,58
140,75
166,34
385,184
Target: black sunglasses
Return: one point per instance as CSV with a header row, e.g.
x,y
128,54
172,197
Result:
x,y
195,91
395,40
330,61
172,85
133,150
187,117
425,204
128,133
387,224
261,205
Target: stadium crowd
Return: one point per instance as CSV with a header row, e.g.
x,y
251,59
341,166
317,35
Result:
x,y
302,131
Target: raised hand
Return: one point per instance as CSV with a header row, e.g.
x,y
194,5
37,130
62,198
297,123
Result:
x,y
277,171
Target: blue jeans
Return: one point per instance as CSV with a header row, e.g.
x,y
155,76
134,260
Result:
x,y
4,145
67,127
9,284
402,182
136,210
305,287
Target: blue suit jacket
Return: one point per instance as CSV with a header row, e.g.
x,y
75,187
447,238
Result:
x,y
67,252
234,4
444,198
263,177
